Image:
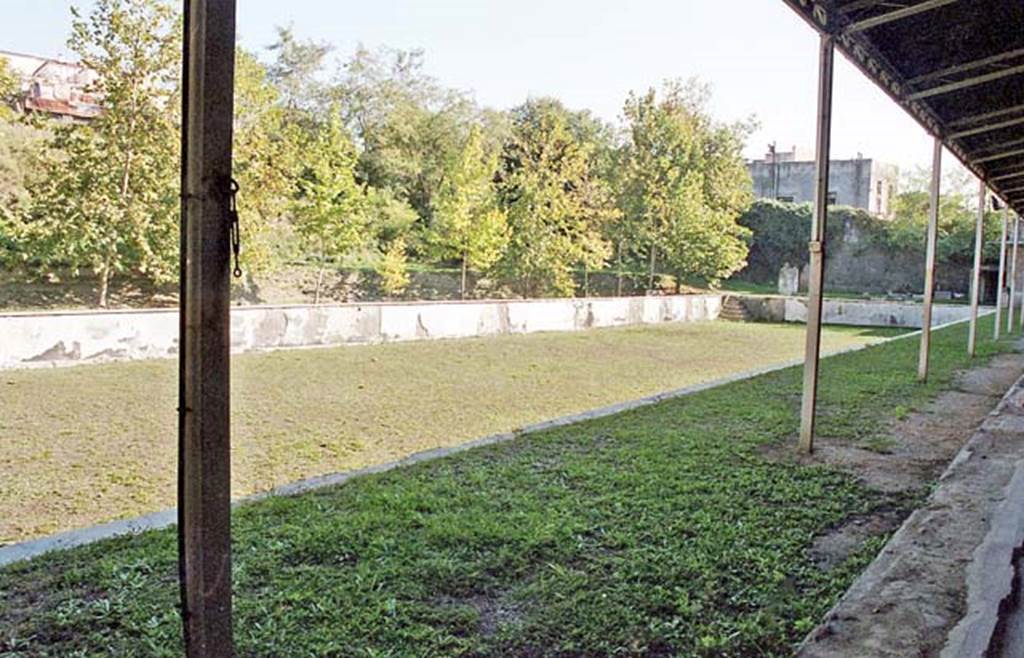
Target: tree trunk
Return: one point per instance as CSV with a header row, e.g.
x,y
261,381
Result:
x,y
104,281
462,284
319,283
586,281
618,275
653,263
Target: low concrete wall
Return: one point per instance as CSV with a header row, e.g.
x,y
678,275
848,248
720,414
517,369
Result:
x,y
44,339
47,339
876,314
861,313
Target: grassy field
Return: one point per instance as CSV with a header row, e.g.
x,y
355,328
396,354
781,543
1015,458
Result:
x,y
660,531
93,443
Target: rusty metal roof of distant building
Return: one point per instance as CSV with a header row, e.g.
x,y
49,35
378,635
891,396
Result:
x,y
957,66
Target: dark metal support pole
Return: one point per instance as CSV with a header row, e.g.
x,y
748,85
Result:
x,y
979,239
929,261
812,351
205,479
182,303
1002,274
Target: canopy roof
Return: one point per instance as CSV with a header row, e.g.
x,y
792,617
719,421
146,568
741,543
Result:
x,y
957,66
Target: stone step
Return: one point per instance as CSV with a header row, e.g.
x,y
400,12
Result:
x,y
734,311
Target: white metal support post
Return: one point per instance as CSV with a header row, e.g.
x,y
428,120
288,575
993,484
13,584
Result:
x,y
929,261
1002,273
812,351
979,239
1013,275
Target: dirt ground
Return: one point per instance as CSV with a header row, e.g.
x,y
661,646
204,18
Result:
x,y
873,620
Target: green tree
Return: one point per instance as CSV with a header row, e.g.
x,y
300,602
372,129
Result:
x,y
21,168
389,217
109,202
393,268
684,184
407,124
296,68
10,85
557,205
957,216
329,211
267,157
468,224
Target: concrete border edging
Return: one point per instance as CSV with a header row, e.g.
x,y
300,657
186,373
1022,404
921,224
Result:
x,y
33,548
990,574
984,481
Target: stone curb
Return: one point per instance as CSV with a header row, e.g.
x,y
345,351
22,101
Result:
x,y
990,574
72,538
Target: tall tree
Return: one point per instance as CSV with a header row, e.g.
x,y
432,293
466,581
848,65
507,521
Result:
x,y
957,217
109,201
468,224
557,205
295,70
684,184
20,145
407,124
10,85
330,217
268,149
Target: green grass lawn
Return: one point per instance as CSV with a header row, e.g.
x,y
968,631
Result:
x,y
89,444
660,531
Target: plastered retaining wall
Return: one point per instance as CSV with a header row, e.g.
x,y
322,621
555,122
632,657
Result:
x,y
47,339
43,339
861,313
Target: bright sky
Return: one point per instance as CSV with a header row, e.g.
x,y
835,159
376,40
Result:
x,y
760,58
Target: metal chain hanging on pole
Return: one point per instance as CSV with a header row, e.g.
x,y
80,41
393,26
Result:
x,y
235,228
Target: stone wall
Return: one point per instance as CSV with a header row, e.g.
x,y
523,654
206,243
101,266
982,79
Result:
x,y
49,339
41,339
860,313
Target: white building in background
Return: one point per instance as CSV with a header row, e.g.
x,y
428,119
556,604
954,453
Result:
x,y
861,182
54,87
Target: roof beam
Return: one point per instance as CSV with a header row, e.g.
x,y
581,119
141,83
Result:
x,y
1018,174
855,5
1015,190
899,14
988,128
968,82
966,66
992,149
966,121
999,156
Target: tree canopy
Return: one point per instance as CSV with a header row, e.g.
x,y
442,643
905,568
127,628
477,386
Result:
x,y
557,205
369,160
684,184
109,201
